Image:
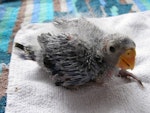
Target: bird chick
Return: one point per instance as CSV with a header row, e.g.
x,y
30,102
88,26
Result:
x,y
83,53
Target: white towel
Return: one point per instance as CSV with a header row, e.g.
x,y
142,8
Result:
x,y
30,90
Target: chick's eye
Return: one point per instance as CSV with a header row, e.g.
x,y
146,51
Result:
x,y
112,49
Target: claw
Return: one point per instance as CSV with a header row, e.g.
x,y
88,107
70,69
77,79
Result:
x,y
125,73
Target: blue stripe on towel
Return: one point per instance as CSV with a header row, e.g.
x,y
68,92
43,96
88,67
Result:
x,y
95,5
2,12
43,11
75,8
81,6
8,24
114,7
50,12
103,3
46,11
146,3
3,104
140,5
0,68
70,6
4,57
36,10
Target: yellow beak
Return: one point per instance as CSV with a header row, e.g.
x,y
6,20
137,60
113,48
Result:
x,y
127,59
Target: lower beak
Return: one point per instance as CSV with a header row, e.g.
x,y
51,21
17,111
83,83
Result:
x,y
127,59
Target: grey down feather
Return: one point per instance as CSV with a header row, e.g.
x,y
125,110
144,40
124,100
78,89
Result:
x,y
80,54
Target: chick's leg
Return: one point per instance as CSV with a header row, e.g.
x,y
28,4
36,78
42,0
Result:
x,y
124,73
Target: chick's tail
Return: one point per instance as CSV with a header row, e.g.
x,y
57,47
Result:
x,y
28,52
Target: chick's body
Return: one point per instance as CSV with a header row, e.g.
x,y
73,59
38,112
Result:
x,y
81,54
70,61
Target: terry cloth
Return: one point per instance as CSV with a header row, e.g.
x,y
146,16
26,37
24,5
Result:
x,y
30,89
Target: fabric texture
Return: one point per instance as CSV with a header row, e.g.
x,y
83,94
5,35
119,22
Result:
x,y
17,13
30,89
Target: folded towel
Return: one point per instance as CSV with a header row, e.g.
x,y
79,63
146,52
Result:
x,y
30,89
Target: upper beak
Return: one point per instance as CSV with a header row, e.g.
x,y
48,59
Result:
x,y
127,59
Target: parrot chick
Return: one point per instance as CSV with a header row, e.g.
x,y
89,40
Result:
x,y
83,53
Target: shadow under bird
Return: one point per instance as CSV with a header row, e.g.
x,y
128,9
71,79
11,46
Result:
x,y
82,53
